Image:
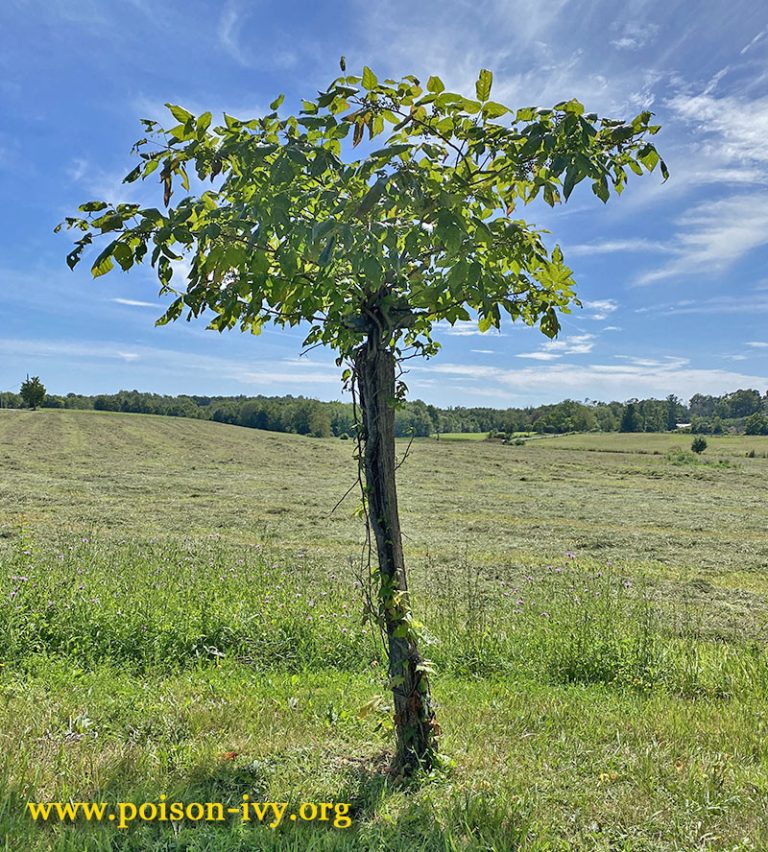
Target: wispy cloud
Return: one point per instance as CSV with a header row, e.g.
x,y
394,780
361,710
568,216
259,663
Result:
x,y
600,309
638,244
718,305
281,51
577,344
182,365
463,328
540,356
714,235
635,378
230,24
135,303
730,130
635,35
758,344
758,38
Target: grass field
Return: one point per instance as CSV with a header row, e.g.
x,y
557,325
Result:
x,y
180,616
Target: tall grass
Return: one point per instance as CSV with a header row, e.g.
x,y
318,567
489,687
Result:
x,y
169,607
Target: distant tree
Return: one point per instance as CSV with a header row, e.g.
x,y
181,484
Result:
x,y
630,419
372,253
740,403
699,444
673,412
702,405
756,424
32,392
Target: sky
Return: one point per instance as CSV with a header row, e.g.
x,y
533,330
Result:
x,y
673,276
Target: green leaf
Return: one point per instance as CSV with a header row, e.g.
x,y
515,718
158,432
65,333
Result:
x,y
600,188
124,256
436,85
173,312
371,197
370,80
549,323
572,106
494,110
277,102
179,113
103,262
483,85
572,177
204,122
649,157
325,255
390,151
93,206
133,174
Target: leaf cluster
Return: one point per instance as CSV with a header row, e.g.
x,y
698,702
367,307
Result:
x,y
288,222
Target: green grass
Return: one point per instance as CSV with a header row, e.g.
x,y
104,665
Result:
x,y
460,436
179,592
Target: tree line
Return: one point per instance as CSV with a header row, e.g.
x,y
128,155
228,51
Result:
x,y
740,411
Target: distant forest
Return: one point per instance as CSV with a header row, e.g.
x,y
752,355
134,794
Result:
x,y
743,411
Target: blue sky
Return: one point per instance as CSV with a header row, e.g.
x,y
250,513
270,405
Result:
x,y
673,276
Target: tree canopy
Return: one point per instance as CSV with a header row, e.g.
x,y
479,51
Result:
x,y
32,392
424,228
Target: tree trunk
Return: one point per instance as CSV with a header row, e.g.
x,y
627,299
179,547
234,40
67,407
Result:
x,y
414,718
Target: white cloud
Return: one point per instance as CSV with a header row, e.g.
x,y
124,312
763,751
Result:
x,y
730,129
758,344
576,344
601,308
611,328
540,356
180,364
636,378
759,37
483,351
713,235
230,24
638,244
280,51
713,305
78,169
635,35
135,303
463,328
534,52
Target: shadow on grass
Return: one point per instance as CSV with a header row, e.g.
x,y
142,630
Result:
x,y
385,813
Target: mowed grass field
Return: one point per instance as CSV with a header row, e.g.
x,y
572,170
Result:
x,y
180,615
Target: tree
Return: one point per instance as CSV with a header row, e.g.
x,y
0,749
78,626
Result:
x,y
698,445
756,424
630,420
740,403
370,253
32,392
673,412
